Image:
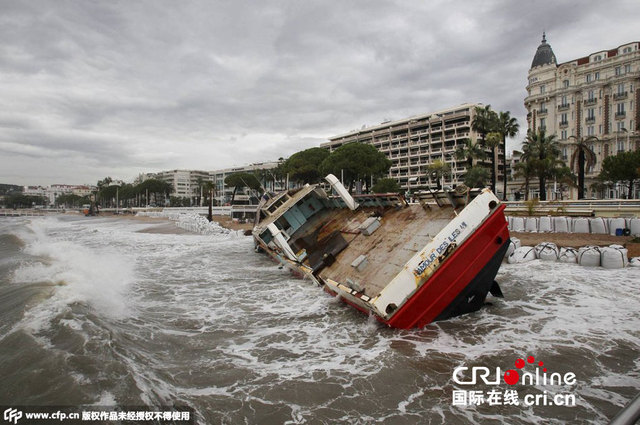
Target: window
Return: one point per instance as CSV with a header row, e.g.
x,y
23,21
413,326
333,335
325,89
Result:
x,y
618,70
591,114
542,89
620,109
565,84
590,131
600,129
543,123
620,126
597,58
543,108
563,134
621,88
588,78
627,68
597,75
620,146
591,95
626,50
563,118
564,101
564,153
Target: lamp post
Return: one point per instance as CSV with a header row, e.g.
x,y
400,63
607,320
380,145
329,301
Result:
x,y
117,185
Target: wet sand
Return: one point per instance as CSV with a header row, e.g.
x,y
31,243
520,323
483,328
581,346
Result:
x,y
576,240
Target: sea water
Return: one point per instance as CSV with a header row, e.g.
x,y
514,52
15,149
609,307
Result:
x,y
94,312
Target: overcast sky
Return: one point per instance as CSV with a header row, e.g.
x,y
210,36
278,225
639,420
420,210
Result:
x,y
114,88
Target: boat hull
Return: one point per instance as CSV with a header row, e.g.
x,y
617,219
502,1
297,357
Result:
x,y
461,283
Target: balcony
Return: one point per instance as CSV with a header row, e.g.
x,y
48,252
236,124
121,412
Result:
x,y
590,120
620,95
589,102
542,111
620,115
564,124
563,107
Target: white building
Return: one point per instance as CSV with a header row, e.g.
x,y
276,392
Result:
x,y
595,95
413,143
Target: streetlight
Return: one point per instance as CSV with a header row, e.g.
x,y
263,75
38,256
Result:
x,y
117,185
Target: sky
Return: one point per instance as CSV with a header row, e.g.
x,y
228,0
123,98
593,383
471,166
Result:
x,y
100,88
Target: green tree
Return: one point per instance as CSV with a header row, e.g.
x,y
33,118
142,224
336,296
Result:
x,y
386,185
437,170
19,200
543,151
506,126
492,142
624,168
156,188
469,151
485,122
526,169
356,161
241,180
304,166
476,176
582,158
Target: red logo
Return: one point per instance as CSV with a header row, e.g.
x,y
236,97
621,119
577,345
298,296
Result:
x,y
512,376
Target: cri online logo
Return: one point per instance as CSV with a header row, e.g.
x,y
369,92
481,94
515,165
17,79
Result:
x,y
12,415
513,376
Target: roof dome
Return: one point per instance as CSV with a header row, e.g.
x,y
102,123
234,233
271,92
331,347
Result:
x,y
544,54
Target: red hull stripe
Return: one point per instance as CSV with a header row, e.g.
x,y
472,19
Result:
x,y
454,274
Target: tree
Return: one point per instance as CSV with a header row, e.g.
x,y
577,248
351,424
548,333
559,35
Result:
x,y
476,177
356,161
526,169
469,151
485,122
493,141
208,188
543,151
437,170
623,167
155,187
241,180
583,157
386,185
304,166
507,127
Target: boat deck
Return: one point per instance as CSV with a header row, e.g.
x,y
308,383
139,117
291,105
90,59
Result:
x,y
402,233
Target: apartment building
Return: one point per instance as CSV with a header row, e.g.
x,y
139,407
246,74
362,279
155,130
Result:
x,y
413,143
595,95
263,170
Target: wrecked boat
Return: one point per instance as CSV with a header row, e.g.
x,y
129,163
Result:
x,y
407,264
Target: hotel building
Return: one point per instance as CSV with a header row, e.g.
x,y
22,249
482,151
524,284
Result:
x,y
595,95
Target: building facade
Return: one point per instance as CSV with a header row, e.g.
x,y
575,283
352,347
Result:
x,y
413,143
263,171
596,95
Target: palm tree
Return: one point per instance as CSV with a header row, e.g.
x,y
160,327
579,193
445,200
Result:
x,y
438,169
507,126
208,187
543,151
527,170
584,157
485,122
469,151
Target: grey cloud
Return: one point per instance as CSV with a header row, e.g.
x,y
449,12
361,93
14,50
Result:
x,y
149,85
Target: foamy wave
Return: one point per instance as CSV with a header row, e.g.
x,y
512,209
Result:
x,y
192,222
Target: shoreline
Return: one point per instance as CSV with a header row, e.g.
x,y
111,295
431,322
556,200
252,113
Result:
x,y
164,225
